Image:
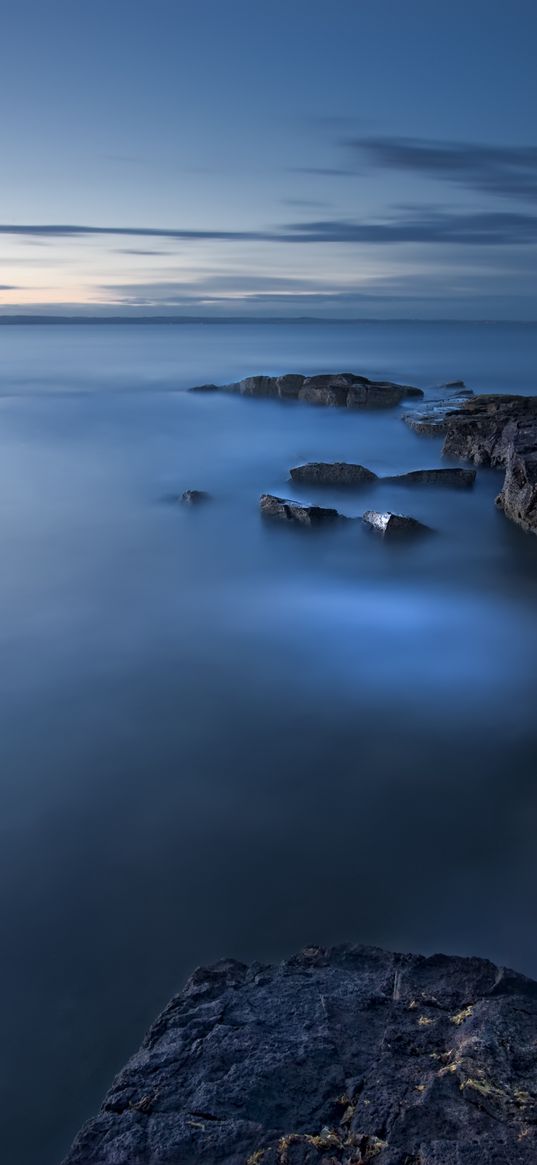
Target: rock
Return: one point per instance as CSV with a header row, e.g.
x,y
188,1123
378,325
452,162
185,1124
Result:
x,y
454,384
432,418
192,497
498,431
338,1056
333,389
288,510
484,429
204,388
462,478
388,523
518,497
332,473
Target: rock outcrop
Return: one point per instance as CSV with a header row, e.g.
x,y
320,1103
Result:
x,y
289,510
386,523
518,498
336,1057
460,478
192,497
499,431
336,389
332,473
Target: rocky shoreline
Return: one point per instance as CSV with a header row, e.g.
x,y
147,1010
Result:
x,y
336,1057
488,430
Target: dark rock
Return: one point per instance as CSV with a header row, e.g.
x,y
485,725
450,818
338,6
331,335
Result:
x,y
498,431
192,497
461,478
336,1057
484,429
332,473
432,417
338,389
204,388
518,497
390,524
288,510
454,384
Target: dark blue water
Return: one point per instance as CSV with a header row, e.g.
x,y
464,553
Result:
x,y
224,738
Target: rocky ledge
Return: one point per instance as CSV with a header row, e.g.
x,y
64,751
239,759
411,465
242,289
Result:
x,y
499,431
339,389
301,513
336,1057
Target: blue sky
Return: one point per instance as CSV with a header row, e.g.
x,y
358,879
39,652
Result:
x,y
260,157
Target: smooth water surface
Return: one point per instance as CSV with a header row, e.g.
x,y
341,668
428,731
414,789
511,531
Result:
x,y
221,737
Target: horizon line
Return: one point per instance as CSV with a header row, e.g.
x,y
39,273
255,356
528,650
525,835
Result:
x,y
35,318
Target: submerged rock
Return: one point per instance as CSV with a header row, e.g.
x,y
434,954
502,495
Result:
x,y
288,510
332,473
333,389
462,478
192,497
388,523
336,1057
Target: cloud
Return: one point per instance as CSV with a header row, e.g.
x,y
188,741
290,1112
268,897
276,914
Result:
x,y
323,171
8,287
418,225
139,251
423,225
509,171
63,230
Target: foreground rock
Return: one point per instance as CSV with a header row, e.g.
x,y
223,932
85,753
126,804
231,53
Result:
x,y
339,389
192,497
386,523
288,510
336,1057
332,473
500,431
460,478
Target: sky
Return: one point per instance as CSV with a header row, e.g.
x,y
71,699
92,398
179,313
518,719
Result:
x,y
261,158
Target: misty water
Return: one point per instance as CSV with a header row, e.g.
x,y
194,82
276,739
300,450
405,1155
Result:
x,y
224,737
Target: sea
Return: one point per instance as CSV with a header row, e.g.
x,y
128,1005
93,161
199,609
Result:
x,y
225,737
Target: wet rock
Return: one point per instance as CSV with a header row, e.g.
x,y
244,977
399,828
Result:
x,y
518,497
454,384
486,428
339,1056
432,418
288,510
498,431
192,497
386,523
333,389
334,473
460,478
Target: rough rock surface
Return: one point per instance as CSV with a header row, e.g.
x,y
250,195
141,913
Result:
x,y
386,523
499,431
339,389
518,498
332,473
336,1057
289,510
461,478
192,497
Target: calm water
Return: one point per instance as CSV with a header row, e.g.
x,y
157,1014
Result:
x,y
223,738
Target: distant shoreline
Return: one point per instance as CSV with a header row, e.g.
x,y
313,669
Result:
x,y
170,321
